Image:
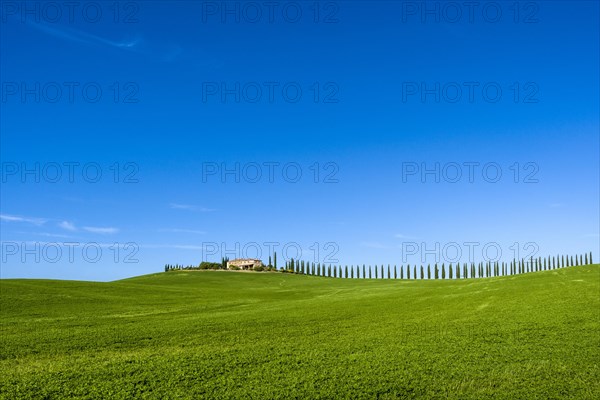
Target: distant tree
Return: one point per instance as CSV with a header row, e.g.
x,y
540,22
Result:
x,y
465,270
422,272
415,272
586,259
408,272
275,259
591,262
450,271
428,271
396,272
370,272
270,264
443,271
572,261
562,261
435,272
401,271
389,272
457,270
375,271
352,272
581,259
364,271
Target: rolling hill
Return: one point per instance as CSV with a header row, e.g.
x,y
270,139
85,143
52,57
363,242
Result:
x,y
215,334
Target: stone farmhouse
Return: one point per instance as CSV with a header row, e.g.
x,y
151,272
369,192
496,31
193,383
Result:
x,y
244,263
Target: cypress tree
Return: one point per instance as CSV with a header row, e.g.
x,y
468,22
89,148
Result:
x,y
389,272
401,271
562,261
369,272
395,272
572,261
443,271
450,271
415,272
422,272
457,270
591,262
270,264
465,276
435,272
375,271
581,259
275,259
364,272
586,263
428,271
408,272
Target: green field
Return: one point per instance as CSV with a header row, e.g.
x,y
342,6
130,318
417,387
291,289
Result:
x,y
271,335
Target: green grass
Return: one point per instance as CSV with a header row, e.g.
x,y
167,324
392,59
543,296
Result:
x,y
270,335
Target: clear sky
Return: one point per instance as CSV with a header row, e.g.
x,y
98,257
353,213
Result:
x,y
135,134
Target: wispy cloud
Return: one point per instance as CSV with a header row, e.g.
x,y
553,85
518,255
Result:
x,y
402,236
17,218
167,52
103,231
69,226
45,234
176,230
79,36
190,207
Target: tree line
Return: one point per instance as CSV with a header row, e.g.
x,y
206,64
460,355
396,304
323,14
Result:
x,y
435,271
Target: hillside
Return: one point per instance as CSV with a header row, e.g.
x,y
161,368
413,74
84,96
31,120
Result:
x,y
271,335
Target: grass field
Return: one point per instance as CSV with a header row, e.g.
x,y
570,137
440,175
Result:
x,y
271,335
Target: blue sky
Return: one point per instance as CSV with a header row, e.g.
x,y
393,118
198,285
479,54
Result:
x,y
161,97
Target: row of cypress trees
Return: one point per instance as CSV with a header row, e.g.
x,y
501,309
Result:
x,y
452,271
